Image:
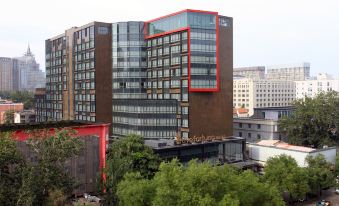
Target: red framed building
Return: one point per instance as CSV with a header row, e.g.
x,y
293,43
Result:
x,y
190,59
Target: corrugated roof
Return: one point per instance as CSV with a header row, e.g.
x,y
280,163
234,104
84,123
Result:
x,y
284,145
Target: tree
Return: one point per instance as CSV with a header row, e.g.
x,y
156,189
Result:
x,y
52,150
283,172
9,117
37,183
26,97
314,121
319,173
128,154
11,164
198,184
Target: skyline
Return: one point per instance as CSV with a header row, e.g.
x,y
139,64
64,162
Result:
x,y
265,33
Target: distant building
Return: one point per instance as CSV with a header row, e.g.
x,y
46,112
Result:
x,y
21,73
292,72
250,94
9,106
26,116
6,74
226,150
310,88
265,149
86,167
40,105
28,73
256,72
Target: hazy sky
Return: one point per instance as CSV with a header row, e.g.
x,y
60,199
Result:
x,y
266,32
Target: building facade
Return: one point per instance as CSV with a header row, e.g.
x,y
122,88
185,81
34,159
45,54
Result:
x,y
263,125
6,106
79,74
168,77
250,94
6,74
256,72
311,88
26,116
189,59
27,73
292,72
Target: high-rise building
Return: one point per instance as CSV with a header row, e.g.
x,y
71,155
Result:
x,y
6,74
27,73
190,60
79,74
171,76
256,72
250,94
293,72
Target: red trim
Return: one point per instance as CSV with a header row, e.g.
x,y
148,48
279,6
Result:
x,y
167,32
217,89
182,11
101,130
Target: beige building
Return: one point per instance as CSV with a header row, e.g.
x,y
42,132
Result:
x,y
6,74
250,94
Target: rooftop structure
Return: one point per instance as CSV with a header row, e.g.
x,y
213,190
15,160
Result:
x,y
265,149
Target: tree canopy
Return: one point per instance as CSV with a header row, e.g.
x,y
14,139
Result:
x,y
284,173
128,154
43,180
314,121
197,184
26,97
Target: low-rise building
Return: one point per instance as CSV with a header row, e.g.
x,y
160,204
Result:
x,y
265,149
26,116
9,106
86,167
220,150
263,125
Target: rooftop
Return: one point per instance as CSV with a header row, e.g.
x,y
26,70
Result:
x,y
43,125
284,145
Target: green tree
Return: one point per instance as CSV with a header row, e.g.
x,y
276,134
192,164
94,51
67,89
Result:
x,y
26,97
40,182
283,172
314,121
198,184
52,150
11,164
129,154
319,173
9,117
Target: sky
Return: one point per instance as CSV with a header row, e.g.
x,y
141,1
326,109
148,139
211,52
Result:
x,y
266,32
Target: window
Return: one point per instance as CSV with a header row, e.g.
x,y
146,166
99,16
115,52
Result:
x,y
258,136
240,125
240,134
249,125
249,135
258,126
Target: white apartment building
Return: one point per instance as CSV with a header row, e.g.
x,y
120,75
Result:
x,y
250,94
311,88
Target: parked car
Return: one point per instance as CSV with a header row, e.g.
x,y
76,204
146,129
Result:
x,y
323,203
337,190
